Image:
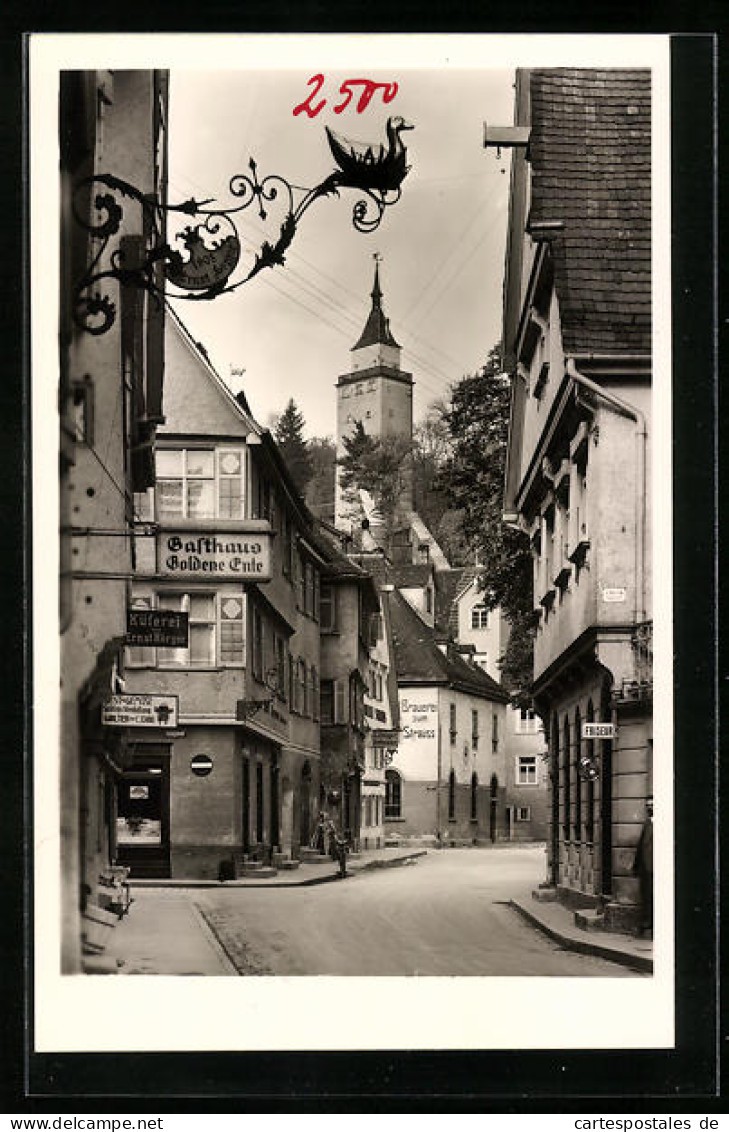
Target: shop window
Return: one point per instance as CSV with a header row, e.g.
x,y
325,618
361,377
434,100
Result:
x,y
526,770
479,617
393,795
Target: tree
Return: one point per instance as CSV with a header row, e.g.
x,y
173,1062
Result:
x,y
382,466
431,448
289,435
473,478
319,494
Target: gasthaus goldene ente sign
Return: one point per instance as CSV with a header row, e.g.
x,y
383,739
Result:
x,y
229,555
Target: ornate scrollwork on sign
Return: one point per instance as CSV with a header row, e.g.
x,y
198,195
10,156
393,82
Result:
x,y
200,261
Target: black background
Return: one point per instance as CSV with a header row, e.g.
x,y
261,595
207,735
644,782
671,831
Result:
x,y
508,1081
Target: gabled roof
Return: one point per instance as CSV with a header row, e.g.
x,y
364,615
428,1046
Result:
x,y
418,660
377,327
590,154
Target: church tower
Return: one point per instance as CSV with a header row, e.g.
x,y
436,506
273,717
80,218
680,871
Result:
x,y
376,391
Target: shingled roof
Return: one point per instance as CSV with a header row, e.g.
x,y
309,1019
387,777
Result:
x,y
418,660
409,575
590,152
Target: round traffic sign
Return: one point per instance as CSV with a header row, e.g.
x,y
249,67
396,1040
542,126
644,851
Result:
x,y
201,765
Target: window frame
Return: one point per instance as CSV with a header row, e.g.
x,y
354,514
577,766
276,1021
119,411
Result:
x,y
185,478
522,779
480,614
151,653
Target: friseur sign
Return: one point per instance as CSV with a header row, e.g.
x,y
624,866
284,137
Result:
x,y
229,555
166,627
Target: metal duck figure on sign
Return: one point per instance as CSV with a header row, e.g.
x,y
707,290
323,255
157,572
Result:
x,y
201,260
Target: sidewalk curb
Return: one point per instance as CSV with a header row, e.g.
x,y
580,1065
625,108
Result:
x,y
215,941
305,882
640,963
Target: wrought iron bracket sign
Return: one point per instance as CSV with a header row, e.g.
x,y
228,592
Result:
x,y
201,261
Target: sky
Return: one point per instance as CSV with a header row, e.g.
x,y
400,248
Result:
x,y
291,328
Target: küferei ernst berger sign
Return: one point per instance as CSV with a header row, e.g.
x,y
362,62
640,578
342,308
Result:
x,y
228,555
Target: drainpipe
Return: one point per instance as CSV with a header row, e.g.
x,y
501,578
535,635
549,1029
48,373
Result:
x,y
641,442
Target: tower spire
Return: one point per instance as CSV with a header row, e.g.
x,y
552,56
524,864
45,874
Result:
x,y
377,328
376,289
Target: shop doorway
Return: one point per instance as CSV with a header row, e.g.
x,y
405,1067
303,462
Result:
x,y
143,813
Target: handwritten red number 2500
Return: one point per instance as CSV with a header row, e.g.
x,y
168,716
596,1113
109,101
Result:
x,y
389,90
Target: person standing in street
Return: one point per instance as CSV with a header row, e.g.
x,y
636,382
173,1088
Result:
x,y
643,869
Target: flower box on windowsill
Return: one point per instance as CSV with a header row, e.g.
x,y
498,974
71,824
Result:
x,y
578,553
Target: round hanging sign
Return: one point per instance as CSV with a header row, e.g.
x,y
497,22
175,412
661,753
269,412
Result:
x,y
201,765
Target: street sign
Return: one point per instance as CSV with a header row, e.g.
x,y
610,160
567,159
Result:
x,y
201,765
165,627
598,730
140,711
614,593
